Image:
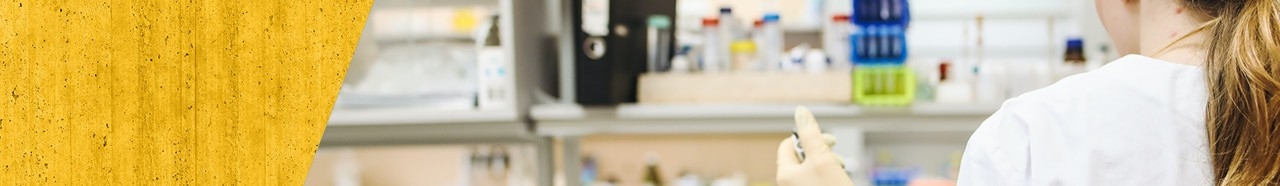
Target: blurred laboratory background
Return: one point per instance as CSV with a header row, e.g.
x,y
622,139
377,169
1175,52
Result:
x,y
685,92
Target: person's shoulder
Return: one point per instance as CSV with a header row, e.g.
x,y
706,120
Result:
x,y
1130,77
1132,81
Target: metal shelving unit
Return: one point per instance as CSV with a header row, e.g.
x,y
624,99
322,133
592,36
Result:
x,y
522,33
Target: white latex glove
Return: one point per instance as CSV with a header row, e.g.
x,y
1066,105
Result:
x,y
820,166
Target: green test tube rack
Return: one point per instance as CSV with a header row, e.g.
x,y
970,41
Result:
x,y
883,85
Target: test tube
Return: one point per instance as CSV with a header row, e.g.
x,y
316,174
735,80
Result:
x,y
895,9
867,10
862,46
895,46
873,48
886,46
884,10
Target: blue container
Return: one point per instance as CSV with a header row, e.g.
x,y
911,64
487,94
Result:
x,y
892,176
880,12
879,45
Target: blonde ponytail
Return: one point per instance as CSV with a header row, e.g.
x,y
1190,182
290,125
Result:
x,y
1243,77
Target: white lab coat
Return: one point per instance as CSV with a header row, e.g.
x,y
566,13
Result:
x,y
1135,121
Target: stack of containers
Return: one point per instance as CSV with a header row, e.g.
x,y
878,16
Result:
x,y
879,51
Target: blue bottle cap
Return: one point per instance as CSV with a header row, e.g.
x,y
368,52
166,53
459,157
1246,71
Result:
x,y
1075,42
726,10
771,17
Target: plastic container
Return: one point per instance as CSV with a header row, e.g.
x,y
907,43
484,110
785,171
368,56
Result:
x,y
757,35
714,51
680,62
743,53
771,47
892,176
835,41
496,87
883,85
989,82
658,43
880,44
815,62
881,12
953,86
731,27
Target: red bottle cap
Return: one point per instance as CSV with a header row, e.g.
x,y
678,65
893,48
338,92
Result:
x,y
840,17
943,68
710,21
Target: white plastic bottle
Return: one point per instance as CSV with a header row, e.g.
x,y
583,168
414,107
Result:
x,y
731,28
835,41
771,48
495,81
714,52
815,62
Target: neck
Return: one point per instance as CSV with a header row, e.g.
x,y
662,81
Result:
x,y
1170,34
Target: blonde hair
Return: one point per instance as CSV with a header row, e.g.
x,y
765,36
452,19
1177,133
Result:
x,y
1242,118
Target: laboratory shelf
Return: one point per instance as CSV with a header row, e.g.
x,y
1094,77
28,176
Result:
x,y
417,115
409,125
561,120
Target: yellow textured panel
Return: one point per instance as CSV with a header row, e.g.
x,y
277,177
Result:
x,y
206,92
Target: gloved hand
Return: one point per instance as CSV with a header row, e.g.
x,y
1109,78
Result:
x,y
820,165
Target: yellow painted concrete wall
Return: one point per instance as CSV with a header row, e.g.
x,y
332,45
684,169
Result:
x,y
169,92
